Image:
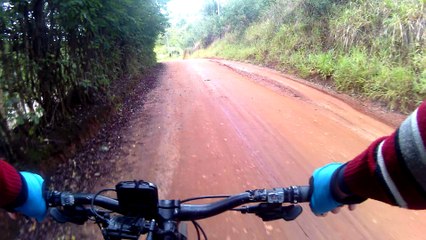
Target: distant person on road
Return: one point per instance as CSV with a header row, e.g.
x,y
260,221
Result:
x,y
392,170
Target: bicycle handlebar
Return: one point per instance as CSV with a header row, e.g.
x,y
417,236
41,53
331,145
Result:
x,y
161,217
187,212
294,194
63,199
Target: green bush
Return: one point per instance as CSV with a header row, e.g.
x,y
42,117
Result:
x,y
393,85
259,33
420,86
354,70
299,62
323,63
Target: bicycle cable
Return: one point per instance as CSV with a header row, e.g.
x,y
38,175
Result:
x,y
197,225
204,197
92,203
197,230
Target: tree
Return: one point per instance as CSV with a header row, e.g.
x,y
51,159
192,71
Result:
x,y
57,54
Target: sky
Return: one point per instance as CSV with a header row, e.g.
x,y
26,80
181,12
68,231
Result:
x,y
188,9
185,6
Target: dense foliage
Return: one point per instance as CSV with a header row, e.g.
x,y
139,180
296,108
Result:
x,y
56,55
373,48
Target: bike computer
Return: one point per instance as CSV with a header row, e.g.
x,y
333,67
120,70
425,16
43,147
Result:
x,y
138,198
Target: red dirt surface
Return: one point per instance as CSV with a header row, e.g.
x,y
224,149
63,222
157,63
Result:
x,y
209,129
219,127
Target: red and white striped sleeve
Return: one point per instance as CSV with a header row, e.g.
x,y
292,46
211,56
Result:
x,y
393,169
11,186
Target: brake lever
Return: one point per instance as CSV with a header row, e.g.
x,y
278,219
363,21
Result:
x,y
270,212
77,215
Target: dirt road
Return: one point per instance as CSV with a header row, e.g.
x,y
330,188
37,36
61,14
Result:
x,y
208,129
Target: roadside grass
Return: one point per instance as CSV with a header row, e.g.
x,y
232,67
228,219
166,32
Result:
x,y
393,85
356,73
323,63
374,49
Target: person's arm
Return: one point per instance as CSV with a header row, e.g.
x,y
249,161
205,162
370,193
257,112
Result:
x,y
11,187
21,192
392,170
